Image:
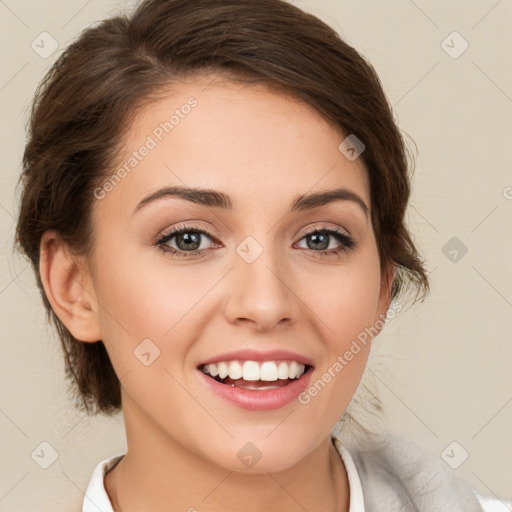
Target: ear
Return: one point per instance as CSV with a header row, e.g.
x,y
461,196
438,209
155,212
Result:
x,y
68,286
386,288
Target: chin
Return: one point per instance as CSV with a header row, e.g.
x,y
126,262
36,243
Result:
x,y
258,456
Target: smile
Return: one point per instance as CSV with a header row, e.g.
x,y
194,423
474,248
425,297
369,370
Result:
x,y
254,374
256,385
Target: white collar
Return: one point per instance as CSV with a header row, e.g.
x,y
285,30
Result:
x,y
356,503
96,498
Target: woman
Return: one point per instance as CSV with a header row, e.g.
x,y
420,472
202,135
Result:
x,y
213,203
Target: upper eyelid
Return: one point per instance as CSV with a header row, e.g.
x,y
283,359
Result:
x,y
307,231
347,241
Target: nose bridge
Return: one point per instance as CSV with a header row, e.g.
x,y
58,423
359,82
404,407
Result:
x,y
259,290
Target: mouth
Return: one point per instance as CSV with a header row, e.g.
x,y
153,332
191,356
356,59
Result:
x,y
256,375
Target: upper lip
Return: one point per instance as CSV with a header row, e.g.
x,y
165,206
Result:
x,y
255,355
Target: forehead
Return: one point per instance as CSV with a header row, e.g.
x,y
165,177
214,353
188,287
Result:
x,y
249,141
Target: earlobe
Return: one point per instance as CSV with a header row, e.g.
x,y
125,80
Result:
x,y
69,289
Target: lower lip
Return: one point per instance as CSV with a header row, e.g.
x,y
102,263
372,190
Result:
x,y
255,400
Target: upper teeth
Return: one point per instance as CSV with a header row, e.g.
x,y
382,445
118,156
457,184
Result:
x,y
253,370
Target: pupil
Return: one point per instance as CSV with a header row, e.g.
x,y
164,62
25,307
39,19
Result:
x,y
315,238
187,238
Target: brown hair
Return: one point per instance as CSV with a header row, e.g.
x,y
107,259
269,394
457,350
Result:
x,y
83,105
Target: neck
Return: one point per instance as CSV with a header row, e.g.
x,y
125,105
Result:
x,y
159,474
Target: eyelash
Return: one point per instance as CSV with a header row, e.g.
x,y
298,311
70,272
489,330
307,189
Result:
x,y
347,243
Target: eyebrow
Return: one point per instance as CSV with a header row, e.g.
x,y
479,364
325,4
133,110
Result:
x,y
216,199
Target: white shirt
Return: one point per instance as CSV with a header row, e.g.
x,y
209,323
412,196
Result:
x,y
97,500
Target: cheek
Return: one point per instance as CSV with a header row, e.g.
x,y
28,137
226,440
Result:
x,y
151,299
346,300
345,308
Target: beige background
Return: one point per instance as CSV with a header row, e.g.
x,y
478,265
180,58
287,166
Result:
x,y
443,367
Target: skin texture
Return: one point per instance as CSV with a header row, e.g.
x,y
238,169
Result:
x,y
262,149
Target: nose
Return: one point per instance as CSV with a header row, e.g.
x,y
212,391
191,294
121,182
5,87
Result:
x,y
260,293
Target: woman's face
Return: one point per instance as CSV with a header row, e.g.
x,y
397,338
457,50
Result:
x,y
260,281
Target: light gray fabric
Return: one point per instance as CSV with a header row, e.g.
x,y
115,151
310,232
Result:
x,y
398,476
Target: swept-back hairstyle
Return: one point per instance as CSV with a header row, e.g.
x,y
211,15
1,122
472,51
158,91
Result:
x,y
84,104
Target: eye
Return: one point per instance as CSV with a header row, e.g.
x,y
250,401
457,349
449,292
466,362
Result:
x,y
188,241
185,241
319,240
